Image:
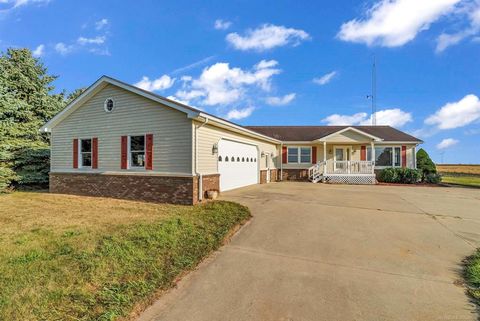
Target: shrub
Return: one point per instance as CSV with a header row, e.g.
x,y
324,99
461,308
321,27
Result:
x,y
6,177
425,164
399,175
433,178
388,175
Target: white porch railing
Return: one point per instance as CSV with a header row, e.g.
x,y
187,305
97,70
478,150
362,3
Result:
x,y
352,167
316,171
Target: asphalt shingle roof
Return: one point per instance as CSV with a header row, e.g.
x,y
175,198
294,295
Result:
x,y
309,133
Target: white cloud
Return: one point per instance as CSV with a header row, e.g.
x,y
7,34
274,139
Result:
x,y
281,101
337,119
446,143
161,83
39,51
237,114
266,37
100,24
392,117
94,41
472,11
222,84
222,24
393,23
13,4
325,79
456,114
63,49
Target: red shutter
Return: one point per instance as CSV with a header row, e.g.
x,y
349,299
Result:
x,y
284,154
404,156
94,152
149,152
314,154
124,152
363,153
75,153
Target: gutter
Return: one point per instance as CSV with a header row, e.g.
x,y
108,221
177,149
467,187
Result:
x,y
200,176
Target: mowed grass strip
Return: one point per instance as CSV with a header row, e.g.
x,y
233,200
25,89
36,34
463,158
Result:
x,y
464,180
79,258
472,275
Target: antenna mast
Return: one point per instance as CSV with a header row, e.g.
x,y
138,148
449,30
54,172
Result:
x,y
374,91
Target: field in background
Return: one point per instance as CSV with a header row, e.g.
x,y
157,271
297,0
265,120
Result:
x,y
459,169
465,175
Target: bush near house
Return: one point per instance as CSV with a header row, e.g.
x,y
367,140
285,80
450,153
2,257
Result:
x,y
425,164
82,258
399,175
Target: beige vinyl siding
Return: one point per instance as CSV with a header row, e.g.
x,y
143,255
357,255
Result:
x,y
133,115
348,136
209,135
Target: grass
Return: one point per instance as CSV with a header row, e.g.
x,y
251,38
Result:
x,y
464,180
472,275
80,258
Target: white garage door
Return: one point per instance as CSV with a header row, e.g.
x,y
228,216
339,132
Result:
x,y
237,164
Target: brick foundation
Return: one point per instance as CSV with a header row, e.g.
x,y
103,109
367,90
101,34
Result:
x,y
150,188
273,175
295,174
209,183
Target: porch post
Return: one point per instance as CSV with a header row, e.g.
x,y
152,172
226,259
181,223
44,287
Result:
x,y
415,157
324,158
373,157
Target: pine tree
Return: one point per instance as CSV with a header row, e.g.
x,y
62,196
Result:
x,y
26,103
425,164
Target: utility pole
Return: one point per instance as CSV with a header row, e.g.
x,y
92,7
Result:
x,y
374,92
373,95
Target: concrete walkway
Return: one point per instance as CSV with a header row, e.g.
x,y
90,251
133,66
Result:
x,y
336,252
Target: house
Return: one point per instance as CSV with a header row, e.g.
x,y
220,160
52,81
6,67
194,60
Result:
x,y
120,141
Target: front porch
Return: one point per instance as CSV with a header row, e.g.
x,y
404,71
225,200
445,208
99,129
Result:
x,y
348,156
346,172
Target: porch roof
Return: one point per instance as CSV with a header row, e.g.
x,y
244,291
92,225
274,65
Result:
x,y
311,133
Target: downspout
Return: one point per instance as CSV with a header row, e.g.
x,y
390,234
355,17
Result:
x,y
200,176
281,161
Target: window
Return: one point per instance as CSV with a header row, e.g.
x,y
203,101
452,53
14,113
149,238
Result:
x,y
385,156
108,105
305,155
86,152
299,155
397,156
137,151
292,154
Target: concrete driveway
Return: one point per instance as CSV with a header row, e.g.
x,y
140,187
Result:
x,y
336,252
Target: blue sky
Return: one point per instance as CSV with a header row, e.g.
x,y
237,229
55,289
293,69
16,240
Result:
x,y
276,62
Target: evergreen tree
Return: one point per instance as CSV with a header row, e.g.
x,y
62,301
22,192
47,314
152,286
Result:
x,y
26,103
425,164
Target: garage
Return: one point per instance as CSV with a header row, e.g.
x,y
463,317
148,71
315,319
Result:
x,y
237,164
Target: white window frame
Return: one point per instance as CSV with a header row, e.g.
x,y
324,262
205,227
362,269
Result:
x,y
129,150
105,105
80,154
393,147
299,155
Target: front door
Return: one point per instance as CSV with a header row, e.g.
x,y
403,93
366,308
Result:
x,y
341,158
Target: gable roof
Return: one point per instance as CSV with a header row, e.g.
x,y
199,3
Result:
x,y
311,133
191,112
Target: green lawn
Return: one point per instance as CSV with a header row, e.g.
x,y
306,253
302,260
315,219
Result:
x,y
472,275
472,181
80,258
